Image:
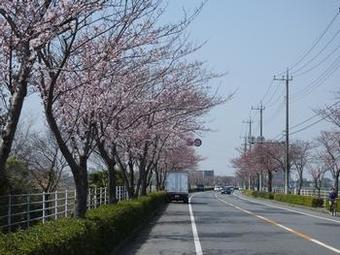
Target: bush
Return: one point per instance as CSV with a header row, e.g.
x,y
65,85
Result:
x,y
261,194
64,236
337,204
288,198
248,192
299,200
99,233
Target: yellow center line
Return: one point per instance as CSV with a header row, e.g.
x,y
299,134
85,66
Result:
x,y
300,234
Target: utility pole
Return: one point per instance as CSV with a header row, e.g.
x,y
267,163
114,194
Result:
x,y
244,143
287,79
249,122
260,108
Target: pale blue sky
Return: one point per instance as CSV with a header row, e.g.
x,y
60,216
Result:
x,y
252,40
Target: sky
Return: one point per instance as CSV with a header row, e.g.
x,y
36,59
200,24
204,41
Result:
x,y
250,41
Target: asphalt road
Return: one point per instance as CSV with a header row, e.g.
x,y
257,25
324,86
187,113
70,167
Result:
x,y
228,224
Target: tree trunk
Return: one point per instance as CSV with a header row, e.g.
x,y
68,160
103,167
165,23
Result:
x,y
79,171
112,184
110,164
131,188
270,180
142,181
158,180
8,134
336,182
81,182
300,184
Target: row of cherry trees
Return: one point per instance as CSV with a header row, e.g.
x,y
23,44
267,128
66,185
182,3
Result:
x,y
316,157
114,81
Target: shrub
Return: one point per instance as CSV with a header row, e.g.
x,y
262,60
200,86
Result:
x,y
299,200
288,198
99,233
262,194
64,236
248,192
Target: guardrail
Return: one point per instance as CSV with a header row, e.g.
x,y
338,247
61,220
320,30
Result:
x,y
24,210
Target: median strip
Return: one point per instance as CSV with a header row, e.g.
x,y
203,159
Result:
x,y
300,234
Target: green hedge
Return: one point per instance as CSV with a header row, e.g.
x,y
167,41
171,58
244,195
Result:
x,y
337,204
99,233
288,198
299,200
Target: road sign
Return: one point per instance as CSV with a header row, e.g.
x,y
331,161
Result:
x,y
197,142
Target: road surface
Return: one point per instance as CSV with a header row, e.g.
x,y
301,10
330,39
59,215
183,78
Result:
x,y
231,224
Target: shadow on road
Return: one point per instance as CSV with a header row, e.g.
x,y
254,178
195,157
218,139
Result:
x,y
162,230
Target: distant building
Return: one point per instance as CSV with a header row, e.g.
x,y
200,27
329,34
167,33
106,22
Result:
x,y
205,177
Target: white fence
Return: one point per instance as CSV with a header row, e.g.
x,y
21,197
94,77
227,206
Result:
x,y
23,210
306,192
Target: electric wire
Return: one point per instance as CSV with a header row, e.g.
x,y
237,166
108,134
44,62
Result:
x,y
308,126
313,123
312,117
277,99
268,89
334,66
319,63
315,43
296,72
303,122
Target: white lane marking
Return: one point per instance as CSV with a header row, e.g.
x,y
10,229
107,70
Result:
x,y
198,247
290,210
300,234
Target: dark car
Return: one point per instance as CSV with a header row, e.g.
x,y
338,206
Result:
x,y
200,187
227,190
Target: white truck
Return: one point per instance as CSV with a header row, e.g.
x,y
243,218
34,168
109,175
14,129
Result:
x,y
177,186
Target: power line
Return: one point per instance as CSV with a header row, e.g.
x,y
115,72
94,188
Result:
x,y
267,91
312,117
306,127
319,80
303,122
318,54
274,99
320,62
315,43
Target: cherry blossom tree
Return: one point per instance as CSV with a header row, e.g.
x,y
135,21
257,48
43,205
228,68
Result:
x,y
330,153
301,154
95,72
25,28
317,171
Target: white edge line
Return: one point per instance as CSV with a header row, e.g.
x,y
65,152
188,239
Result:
x,y
279,225
198,247
290,210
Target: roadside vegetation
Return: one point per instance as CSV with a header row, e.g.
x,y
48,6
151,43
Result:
x,y
292,199
118,86
101,231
